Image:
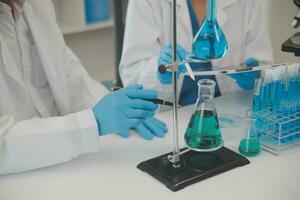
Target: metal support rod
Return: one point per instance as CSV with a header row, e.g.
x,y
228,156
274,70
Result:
x,y
176,150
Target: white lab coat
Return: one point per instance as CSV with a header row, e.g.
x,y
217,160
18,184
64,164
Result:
x,y
29,143
148,29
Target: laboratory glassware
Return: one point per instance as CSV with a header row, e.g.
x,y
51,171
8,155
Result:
x,y
250,145
203,133
183,167
276,107
210,42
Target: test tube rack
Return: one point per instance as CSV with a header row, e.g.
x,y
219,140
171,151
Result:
x,y
277,131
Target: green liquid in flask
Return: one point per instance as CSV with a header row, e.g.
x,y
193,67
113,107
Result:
x,y
203,132
250,147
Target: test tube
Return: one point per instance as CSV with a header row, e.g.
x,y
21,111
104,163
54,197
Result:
x,y
256,106
292,107
298,105
262,95
279,77
298,93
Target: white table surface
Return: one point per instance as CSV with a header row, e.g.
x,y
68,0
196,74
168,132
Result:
x,y
112,173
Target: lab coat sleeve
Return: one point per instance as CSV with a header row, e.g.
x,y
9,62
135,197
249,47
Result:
x,y
84,92
257,40
38,142
141,47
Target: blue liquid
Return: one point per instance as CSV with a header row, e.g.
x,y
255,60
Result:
x,y
96,11
263,96
279,94
282,98
256,107
256,103
210,42
298,94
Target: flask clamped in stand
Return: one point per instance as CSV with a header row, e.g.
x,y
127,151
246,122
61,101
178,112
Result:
x,y
210,42
205,156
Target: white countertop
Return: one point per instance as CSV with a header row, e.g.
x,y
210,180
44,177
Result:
x,y
112,173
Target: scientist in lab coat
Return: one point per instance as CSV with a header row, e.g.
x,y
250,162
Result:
x,y
149,33
50,109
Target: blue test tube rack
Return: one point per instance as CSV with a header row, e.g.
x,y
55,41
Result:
x,y
276,106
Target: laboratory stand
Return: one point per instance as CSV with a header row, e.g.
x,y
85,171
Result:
x,y
194,167
205,156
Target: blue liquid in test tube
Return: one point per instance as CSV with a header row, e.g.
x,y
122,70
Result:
x,y
256,105
293,106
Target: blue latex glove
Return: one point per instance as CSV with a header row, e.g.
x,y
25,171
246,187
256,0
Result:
x,y
148,129
246,80
124,109
166,57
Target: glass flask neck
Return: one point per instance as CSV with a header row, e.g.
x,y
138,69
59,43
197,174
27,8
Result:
x,y
211,10
206,89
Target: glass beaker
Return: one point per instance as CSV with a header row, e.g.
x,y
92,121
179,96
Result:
x,y
203,133
250,145
210,42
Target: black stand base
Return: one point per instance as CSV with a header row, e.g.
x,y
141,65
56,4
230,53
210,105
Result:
x,y
195,167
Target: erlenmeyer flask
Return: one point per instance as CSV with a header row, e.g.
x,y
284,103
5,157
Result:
x,y
210,42
203,133
249,145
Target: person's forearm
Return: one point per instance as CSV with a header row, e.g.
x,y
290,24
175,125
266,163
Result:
x,y
38,143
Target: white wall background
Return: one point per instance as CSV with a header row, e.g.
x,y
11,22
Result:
x,y
96,51
96,48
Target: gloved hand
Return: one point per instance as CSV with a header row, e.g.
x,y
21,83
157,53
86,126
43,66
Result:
x,y
166,57
124,109
148,129
246,80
